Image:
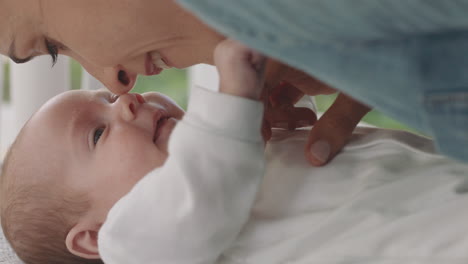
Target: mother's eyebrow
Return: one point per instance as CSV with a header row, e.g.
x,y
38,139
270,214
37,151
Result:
x,y
13,57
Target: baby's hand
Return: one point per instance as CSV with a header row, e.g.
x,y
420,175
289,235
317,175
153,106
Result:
x,y
240,69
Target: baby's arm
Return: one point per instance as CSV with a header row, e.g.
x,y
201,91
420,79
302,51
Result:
x,y
191,210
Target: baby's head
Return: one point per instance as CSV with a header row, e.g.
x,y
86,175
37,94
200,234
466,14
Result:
x,y
73,160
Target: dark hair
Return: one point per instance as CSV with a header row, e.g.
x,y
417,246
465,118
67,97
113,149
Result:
x,y
36,218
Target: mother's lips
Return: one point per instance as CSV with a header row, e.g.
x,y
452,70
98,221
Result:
x,y
155,63
150,68
159,61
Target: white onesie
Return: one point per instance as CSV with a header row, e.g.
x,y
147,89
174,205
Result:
x,y
386,199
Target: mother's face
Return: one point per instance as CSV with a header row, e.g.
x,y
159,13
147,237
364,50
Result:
x,y
115,40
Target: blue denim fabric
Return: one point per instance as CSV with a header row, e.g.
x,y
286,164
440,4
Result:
x,y
405,58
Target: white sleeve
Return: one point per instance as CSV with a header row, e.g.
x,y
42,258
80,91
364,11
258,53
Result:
x,y
191,209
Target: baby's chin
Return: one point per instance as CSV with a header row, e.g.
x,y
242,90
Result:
x,y
164,133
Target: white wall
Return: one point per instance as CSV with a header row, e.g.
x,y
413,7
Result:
x,y
31,85
3,62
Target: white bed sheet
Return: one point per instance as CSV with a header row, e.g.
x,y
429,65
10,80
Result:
x,y
7,255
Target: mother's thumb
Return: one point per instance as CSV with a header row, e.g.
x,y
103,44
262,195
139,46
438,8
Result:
x,y
333,130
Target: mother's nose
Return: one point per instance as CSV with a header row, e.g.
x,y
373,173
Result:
x,y
117,79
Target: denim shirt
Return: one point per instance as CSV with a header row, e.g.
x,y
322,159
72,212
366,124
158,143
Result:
x,y
405,58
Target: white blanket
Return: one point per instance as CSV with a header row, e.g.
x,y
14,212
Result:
x,y
396,239
7,255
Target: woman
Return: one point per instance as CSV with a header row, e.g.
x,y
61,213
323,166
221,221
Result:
x,y
405,58
369,52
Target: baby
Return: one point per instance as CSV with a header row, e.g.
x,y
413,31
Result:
x,y
93,178
84,150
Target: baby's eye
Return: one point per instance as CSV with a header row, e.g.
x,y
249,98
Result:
x,y
98,134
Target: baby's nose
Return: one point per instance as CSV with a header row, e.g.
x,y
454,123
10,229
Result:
x,y
129,105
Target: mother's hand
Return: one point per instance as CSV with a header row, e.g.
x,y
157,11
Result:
x,y
285,85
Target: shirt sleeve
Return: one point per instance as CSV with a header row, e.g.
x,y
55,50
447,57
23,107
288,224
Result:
x,y
403,58
330,20
191,209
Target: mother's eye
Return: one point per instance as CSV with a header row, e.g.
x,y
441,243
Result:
x,y
97,135
53,50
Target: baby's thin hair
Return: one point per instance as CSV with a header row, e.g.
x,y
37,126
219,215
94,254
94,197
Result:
x,y
36,218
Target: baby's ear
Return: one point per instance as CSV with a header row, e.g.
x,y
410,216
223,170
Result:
x,y
82,241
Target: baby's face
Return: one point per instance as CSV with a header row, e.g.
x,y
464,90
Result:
x,y
102,145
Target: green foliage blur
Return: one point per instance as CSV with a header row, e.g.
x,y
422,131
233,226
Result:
x,y
374,117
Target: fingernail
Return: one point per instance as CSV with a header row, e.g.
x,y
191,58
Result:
x,y
303,123
320,150
283,125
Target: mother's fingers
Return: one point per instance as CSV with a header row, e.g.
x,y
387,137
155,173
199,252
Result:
x,y
290,117
284,94
333,130
266,130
